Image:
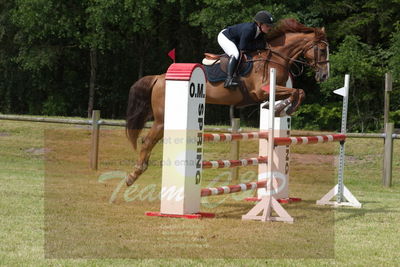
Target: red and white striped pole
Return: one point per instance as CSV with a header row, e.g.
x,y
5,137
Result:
x,y
216,164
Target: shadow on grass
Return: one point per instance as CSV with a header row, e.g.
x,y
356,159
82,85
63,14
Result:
x,y
352,213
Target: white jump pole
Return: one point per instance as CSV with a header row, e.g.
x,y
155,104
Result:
x,y
343,195
281,155
185,92
268,202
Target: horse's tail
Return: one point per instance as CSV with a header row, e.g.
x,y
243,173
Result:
x,y
139,107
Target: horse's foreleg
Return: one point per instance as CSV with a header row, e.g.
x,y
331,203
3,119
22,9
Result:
x,y
279,108
151,139
296,99
287,96
290,97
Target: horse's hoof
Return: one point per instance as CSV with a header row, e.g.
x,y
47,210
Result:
x,y
266,105
290,111
129,180
281,113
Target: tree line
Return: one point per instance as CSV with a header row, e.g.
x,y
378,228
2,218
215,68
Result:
x,y
70,57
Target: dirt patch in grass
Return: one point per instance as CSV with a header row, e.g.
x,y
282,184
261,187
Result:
x,y
4,134
297,158
37,151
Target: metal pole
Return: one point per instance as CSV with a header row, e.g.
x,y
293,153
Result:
x,y
231,112
343,131
94,155
235,124
388,155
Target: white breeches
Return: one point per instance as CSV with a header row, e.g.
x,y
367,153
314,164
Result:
x,y
227,45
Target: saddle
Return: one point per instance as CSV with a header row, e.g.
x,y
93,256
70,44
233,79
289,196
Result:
x,y
211,56
216,66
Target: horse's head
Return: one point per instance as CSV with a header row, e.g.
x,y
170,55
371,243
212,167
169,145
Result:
x,y
291,39
317,55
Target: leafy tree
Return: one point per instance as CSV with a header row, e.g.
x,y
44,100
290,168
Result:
x,y
394,67
224,13
394,50
363,63
67,58
46,33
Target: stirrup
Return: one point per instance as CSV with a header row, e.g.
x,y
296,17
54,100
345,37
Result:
x,y
230,83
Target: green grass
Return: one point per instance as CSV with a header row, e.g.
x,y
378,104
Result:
x,y
55,212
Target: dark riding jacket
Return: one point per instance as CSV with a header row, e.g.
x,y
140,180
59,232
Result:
x,y
244,36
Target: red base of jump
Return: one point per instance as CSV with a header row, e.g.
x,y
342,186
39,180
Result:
x,y
199,215
281,200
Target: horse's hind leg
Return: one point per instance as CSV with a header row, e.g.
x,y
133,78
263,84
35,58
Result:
x,y
150,140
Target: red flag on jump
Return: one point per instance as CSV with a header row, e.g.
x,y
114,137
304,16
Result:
x,y
171,54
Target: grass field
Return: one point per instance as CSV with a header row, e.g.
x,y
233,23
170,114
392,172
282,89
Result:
x,y
55,211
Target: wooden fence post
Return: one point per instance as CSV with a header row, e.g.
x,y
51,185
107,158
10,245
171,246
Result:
x,y
389,129
388,155
94,154
388,89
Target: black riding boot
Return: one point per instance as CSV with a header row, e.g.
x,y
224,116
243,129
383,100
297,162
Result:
x,y
230,81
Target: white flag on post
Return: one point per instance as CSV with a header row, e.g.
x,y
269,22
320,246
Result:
x,y
340,91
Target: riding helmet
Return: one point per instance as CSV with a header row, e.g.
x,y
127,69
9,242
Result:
x,y
264,17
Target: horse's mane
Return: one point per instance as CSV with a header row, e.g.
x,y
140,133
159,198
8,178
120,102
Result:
x,y
291,25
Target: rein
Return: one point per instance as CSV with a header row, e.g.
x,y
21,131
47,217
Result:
x,y
314,45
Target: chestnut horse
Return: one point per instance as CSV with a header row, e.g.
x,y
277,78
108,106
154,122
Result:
x,y
287,42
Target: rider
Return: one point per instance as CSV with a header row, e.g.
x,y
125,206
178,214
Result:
x,y
244,36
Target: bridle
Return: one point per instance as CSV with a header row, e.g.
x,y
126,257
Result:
x,y
317,54
314,64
